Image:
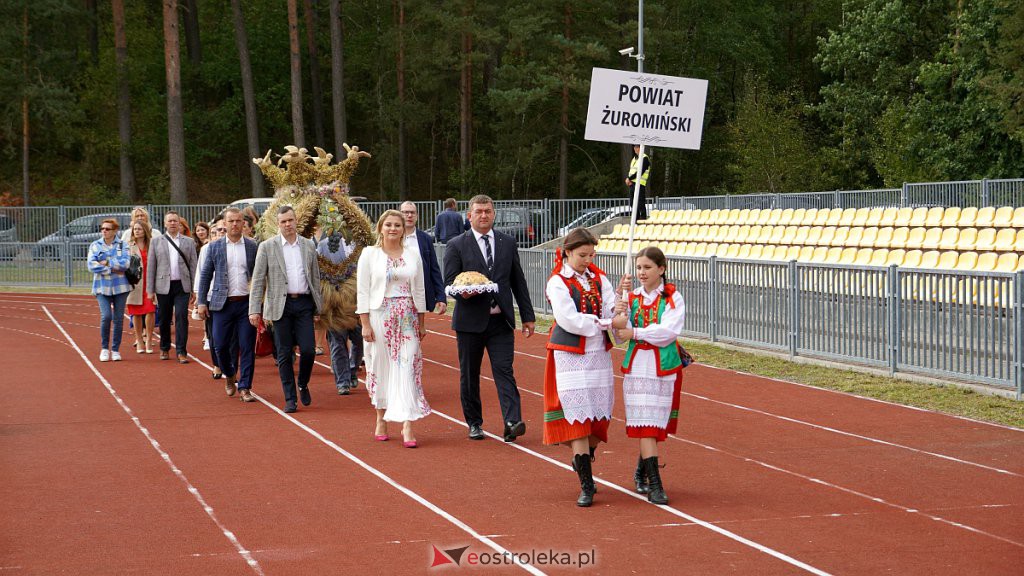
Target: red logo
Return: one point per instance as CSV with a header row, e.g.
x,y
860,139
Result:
x,y
451,556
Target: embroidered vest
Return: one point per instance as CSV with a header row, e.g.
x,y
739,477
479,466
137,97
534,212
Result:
x,y
668,358
587,302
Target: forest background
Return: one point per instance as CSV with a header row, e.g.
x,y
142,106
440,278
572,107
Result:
x,y
123,101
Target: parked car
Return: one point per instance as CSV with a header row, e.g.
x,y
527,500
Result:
x,y
80,232
594,216
260,205
523,223
8,237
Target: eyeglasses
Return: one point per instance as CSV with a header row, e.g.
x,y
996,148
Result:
x,y
220,230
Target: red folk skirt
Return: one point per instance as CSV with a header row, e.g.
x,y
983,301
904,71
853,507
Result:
x,y
557,429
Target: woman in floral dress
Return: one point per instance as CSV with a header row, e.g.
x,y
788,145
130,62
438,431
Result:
x,y
391,303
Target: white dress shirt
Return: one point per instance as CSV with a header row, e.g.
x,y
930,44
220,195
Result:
x,y
173,257
410,242
483,252
293,266
238,284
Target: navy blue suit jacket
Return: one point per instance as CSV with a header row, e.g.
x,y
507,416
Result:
x,y
215,268
433,283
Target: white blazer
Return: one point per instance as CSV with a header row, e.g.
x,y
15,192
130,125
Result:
x,y
372,280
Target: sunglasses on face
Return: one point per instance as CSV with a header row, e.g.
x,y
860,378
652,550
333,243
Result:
x,y
107,229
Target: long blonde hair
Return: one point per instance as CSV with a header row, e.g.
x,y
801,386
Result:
x,y
380,224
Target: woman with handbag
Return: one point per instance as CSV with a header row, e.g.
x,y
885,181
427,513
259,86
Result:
x,y
108,259
651,321
390,302
140,306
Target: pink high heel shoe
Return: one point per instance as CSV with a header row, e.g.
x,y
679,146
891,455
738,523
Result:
x,y
409,444
380,437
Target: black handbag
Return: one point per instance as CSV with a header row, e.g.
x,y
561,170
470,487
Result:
x,y
134,271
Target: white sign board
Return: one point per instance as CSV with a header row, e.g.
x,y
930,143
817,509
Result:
x,y
649,109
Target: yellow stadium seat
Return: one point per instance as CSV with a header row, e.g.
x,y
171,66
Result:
x,y
690,249
679,216
986,216
899,237
778,233
714,216
787,217
742,232
808,218
947,260
934,217
903,218
834,255
654,216
950,217
986,241
802,232
827,234
964,261
789,235
679,232
771,252
947,240
797,218
764,216
853,238
840,237
895,258
755,251
766,233
813,236
967,217
1018,244
755,234
734,216
775,217
929,259
967,240
1004,239
1007,262
862,257
933,237
918,218
848,255
916,238
702,249
911,259
703,233
732,250
1018,217
883,238
728,234
986,262
847,217
888,218
721,250
860,217
819,254
1003,217
753,216
874,217
744,216
834,216
867,240
704,217
787,253
821,217
744,252
713,232
806,253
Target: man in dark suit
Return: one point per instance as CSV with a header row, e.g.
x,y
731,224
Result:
x,y
420,242
487,321
229,266
449,222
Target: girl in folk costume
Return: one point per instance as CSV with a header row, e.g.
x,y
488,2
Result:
x,y
651,320
578,376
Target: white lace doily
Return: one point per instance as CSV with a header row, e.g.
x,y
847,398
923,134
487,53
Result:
x,y
471,289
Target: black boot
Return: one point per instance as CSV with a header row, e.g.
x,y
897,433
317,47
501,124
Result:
x,y
656,495
581,464
640,477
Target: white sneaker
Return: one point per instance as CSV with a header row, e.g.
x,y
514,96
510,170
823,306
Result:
x,y
206,344
115,356
104,355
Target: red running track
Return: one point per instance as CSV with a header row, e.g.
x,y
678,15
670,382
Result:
x,y
146,466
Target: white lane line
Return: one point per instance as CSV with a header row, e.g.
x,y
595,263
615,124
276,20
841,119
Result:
x,y
704,524
852,435
671,510
61,342
821,427
790,472
392,482
253,564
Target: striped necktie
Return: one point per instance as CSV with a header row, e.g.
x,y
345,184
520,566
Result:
x,y
487,248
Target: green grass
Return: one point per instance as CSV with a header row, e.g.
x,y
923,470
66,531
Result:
x,y
949,399
46,289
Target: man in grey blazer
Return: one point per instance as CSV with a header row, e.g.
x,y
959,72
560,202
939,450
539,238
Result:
x,y
286,291
169,273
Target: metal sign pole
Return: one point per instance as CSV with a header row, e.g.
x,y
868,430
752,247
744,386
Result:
x,y
640,157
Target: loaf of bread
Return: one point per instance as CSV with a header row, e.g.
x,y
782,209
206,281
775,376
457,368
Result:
x,y
470,279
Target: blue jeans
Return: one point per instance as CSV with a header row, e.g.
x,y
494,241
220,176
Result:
x,y
111,308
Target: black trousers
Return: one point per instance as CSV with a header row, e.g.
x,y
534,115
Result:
x,y
174,304
295,328
499,342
